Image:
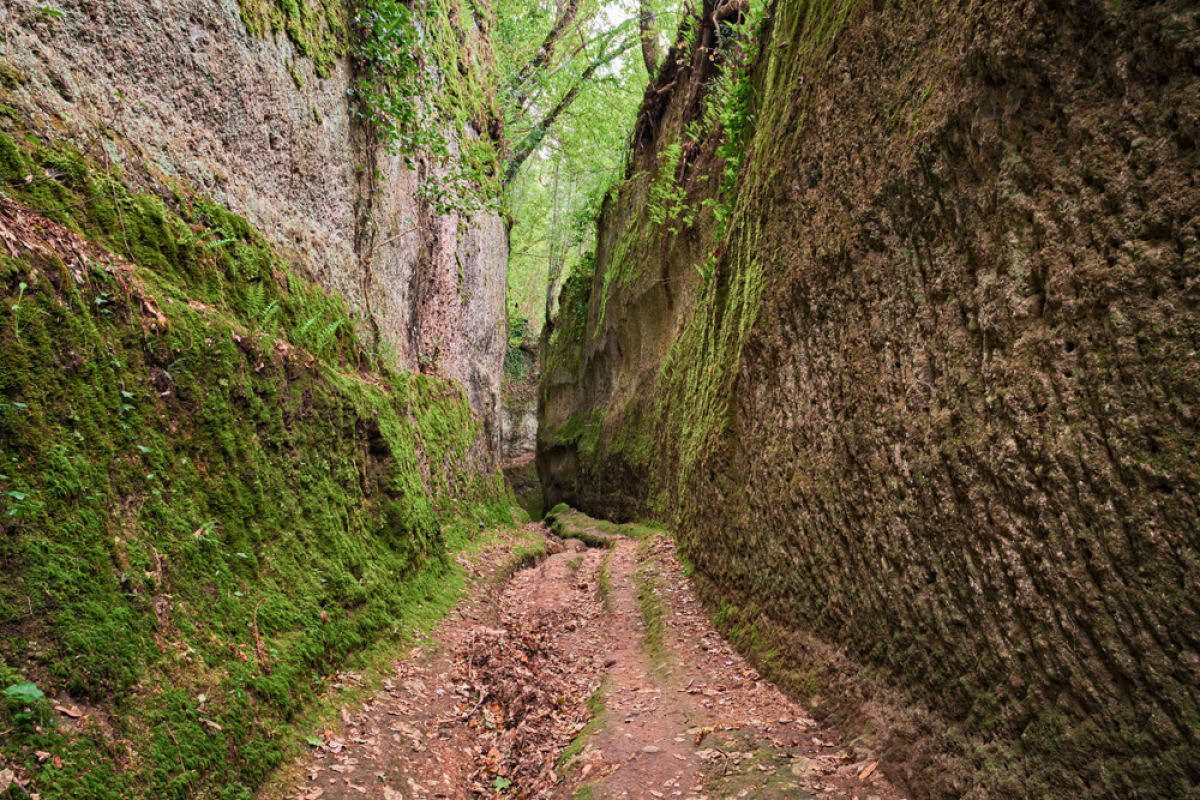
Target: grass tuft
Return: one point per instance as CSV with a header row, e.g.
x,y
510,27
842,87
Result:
x,y
596,707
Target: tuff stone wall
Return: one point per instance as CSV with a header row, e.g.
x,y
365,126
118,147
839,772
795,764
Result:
x,y
186,89
518,429
921,397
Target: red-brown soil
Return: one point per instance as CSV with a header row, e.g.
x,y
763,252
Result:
x,y
497,705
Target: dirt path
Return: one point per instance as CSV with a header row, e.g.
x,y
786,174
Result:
x,y
594,674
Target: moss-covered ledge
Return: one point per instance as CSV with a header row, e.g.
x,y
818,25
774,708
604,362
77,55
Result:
x,y
213,496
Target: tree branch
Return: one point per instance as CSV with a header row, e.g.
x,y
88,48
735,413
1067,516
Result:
x,y
532,92
648,28
533,139
544,53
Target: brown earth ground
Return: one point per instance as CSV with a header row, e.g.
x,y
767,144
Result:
x,y
593,675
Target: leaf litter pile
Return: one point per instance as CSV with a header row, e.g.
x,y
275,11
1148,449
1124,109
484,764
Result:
x,y
530,702
485,713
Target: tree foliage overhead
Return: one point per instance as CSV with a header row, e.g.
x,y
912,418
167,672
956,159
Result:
x,y
576,71
537,120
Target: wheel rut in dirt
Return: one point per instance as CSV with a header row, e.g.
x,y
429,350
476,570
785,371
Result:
x,y
593,674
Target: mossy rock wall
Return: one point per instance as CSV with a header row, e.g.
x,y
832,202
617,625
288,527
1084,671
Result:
x,y
258,105
927,428
214,497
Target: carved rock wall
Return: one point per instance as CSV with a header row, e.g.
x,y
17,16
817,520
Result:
x,y
185,89
924,409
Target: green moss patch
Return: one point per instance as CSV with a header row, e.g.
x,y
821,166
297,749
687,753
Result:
x,y
317,28
213,497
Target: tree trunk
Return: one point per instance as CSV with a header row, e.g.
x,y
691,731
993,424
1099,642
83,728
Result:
x,y
554,267
648,28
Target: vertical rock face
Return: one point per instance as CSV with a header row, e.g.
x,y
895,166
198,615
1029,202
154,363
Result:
x,y
237,454
917,376
518,408
518,430
265,121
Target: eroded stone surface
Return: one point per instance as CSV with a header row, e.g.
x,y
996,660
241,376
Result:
x,y
929,424
190,93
